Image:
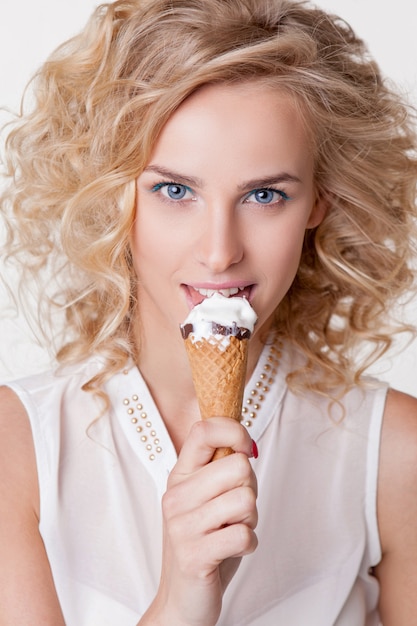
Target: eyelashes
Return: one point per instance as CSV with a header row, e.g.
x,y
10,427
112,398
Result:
x,y
178,192
174,191
268,195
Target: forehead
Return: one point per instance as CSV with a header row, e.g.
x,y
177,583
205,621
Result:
x,y
254,97
250,122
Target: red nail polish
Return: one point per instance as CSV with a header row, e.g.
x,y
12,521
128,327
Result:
x,y
255,453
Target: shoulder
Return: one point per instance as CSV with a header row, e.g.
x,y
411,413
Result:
x,y
397,492
21,546
58,376
17,454
45,393
397,508
398,465
31,409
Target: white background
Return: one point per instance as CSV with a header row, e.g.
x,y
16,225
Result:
x,y
30,29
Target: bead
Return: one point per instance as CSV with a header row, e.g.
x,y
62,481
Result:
x,y
254,402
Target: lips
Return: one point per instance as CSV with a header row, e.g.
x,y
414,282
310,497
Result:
x,y
195,295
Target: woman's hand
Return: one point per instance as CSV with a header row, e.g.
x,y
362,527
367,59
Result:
x,y
209,512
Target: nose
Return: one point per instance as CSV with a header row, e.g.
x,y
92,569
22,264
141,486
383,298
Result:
x,y
221,243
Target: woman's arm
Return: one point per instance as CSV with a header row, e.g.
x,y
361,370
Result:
x,y
27,592
397,511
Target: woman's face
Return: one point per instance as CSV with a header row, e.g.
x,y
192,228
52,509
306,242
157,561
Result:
x,y
223,204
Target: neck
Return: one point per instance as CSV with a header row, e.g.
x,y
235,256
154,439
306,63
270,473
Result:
x,y
163,363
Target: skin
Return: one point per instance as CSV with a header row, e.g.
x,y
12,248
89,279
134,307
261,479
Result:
x,y
218,236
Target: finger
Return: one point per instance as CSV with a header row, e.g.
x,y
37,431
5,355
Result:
x,y
206,436
187,492
202,548
231,541
235,507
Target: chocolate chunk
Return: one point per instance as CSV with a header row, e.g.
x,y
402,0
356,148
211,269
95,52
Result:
x,y
219,329
186,329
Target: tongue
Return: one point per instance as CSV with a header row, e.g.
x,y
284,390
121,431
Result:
x,y
196,297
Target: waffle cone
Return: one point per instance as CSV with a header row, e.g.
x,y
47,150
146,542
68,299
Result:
x,y
219,375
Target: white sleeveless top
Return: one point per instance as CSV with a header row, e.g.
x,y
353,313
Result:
x,y
101,484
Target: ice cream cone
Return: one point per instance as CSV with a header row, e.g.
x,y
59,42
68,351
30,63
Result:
x,y
219,374
216,335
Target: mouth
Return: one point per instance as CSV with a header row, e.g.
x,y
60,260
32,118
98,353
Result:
x,y
195,295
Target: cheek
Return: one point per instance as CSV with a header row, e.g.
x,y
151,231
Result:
x,y
144,246
283,247
150,236
159,246
159,225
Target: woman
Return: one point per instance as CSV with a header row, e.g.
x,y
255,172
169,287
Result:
x,y
177,149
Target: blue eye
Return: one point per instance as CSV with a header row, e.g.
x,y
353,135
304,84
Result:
x,y
268,196
173,191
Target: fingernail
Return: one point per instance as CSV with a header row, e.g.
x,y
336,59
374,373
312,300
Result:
x,y
255,452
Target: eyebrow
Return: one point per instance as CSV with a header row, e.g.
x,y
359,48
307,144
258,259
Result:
x,y
255,183
268,181
174,176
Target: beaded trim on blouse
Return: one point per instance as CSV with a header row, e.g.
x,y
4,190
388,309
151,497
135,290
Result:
x,y
252,404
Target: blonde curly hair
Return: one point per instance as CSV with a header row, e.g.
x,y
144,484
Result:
x,y
100,102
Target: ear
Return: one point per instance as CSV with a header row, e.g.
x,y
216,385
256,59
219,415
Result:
x,y
318,213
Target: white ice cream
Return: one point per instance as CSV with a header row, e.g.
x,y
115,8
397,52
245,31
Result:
x,y
220,310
